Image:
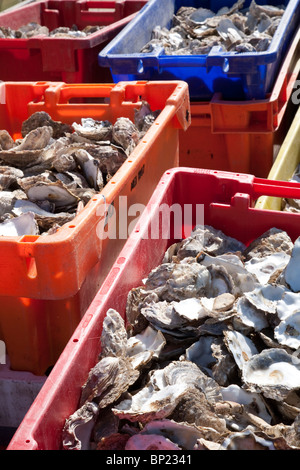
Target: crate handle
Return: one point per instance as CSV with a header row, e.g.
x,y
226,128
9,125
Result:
x,y
283,189
62,93
108,11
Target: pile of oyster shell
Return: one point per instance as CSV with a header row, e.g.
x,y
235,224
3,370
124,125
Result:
x,y
288,204
34,29
232,29
209,359
50,174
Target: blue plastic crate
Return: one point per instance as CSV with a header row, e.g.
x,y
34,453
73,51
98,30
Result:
x,y
238,76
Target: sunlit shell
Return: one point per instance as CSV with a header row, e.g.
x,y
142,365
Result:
x,y
266,298
94,130
90,168
289,304
288,331
52,192
291,272
239,280
125,133
30,150
263,268
6,141
141,348
208,240
246,440
249,315
113,336
41,119
241,347
273,372
78,427
173,281
24,224
9,177
182,434
270,242
149,404
107,380
45,219
253,401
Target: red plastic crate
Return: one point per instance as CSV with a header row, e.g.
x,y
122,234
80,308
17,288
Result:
x,y
242,136
71,60
228,200
41,307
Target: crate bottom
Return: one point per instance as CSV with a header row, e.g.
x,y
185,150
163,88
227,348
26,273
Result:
x,y
18,389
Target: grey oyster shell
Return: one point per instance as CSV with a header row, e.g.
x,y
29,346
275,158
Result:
x,y
233,29
56,168
206,361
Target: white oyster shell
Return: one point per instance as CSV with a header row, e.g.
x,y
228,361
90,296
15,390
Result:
x,y
90,168
288,305
91,129
241,347
242,280
53,192
182,434
142,347
149,404
291,273
264,267
24,224
274,372
246,440
250,315
200,352
266,297
288,331
254,401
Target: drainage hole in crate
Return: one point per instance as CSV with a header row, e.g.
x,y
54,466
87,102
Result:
x,y
75,340
31,267
226,66
140,67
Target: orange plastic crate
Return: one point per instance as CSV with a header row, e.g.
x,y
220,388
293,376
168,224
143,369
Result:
x,y
242,136
47,282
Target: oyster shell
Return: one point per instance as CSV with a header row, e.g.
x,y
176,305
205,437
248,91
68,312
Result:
x,y
211,372
274,372
110,377
141,348
33,29
247,440
230,29
125,134
24,224
241,347
78,427
291,274
94,130
59,167
149,404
